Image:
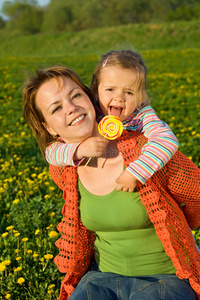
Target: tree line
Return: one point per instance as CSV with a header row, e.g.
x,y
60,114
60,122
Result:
x,y
26,16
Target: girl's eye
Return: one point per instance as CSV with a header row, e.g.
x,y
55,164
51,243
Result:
x,y
109,90
56,109
129,93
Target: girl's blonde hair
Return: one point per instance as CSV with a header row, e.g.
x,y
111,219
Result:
x,y
31,113
126,59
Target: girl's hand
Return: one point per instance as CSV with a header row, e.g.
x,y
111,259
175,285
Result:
x,y
127,182
92,147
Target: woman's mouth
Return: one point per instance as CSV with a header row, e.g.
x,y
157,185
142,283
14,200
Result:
x,y
78,120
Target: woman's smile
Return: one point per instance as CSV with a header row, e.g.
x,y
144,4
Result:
x,y
78,120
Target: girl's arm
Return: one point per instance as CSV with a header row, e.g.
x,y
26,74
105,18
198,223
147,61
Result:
x,y
61,154
161,145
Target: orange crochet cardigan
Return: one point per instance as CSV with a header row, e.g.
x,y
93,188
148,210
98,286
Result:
x,y
172,200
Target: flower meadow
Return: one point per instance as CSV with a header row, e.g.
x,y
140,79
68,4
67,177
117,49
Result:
x,y
30,203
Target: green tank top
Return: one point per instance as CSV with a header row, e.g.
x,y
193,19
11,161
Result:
x,y
126,242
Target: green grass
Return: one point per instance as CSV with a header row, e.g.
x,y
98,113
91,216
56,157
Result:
x,y
173,35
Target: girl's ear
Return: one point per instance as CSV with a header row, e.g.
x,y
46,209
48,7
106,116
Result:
x,y
49,129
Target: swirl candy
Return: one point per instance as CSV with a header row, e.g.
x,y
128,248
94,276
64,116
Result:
x,y
110,127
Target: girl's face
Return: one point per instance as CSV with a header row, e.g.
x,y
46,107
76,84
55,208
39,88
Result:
x,y
67,110
116,91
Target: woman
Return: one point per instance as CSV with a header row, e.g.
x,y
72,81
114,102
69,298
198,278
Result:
x,y
143,246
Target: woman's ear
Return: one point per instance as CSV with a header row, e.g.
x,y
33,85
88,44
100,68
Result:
x,y
49,129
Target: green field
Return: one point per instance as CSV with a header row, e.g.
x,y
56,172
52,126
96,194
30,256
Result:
x,y
29,200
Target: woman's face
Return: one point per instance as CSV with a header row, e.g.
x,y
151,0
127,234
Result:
x,y
67,110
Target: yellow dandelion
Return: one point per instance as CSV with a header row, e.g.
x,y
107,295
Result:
x,y
53,234
46,196
37,231
2,268
24,240
4,234
16,250
21,280
9,227
15,201
2,190
18,269
41,175
18,258
52,286
51,188
17,234
35,255
29,251
8,296
48,256
42,259
50,291
6,262
52,214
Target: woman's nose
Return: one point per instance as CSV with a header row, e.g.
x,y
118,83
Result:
x,y
70,108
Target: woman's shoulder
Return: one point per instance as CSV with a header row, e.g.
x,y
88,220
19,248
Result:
x,y
132,138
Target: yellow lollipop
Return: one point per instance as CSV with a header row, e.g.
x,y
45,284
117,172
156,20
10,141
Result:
x,y
110,127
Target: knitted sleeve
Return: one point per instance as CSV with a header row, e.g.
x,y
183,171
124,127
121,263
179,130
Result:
x,y
184,185
161,145
61,154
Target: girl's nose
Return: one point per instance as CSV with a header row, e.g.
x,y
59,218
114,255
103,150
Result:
x,y
119,97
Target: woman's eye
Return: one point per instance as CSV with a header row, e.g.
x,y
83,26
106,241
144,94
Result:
x,y
56,109
76,95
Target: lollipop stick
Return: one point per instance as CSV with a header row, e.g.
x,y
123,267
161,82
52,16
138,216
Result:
x,y
88,161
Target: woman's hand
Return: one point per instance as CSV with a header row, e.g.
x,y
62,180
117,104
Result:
x,y
127,182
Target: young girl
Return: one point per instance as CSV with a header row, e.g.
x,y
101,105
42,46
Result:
x,y
119,87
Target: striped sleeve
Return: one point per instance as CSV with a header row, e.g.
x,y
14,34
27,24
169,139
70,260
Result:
x,y
161,145
61,154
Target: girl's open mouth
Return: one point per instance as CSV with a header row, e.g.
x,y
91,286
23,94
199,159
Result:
x,y
115,111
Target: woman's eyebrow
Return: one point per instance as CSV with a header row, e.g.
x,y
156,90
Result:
x,y
75,88
58,101
54,103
